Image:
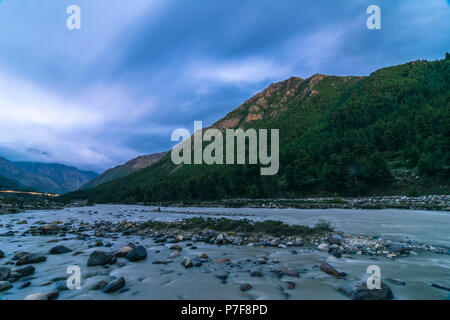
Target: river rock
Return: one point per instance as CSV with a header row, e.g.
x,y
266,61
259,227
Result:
x,y
220,239
122,252
59,250
335,239
100,285
31,258
37,296
138,253
323,247
176,247
325,267
99,258
52,295
115,285
19,255
4,273
187,263
50,228
26,271
245,287
357,290
203,256
1,254
174,254
5,285
398,247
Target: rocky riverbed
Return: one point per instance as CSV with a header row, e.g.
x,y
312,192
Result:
x,y
134,252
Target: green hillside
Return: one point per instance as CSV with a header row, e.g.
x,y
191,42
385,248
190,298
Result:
x,y
388,133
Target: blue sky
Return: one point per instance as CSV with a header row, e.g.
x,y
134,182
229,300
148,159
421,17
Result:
x,y
137,70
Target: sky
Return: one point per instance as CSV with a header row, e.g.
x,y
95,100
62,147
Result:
x,y
137,70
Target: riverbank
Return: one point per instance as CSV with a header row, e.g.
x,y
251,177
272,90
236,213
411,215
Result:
x,y
428,202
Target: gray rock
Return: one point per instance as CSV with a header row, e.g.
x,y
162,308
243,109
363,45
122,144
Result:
x,y
357,290
245,287
398,247
52,295
37,296
31,258
5,285
115,285
187,263
335,239
26,271
99,258
59,250
138,253
4,273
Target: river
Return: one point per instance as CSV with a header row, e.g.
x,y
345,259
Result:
x,y
146,280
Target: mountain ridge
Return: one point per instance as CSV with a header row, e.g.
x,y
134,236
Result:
x,y
351,135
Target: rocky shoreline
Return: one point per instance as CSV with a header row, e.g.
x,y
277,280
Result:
x,y
172,240
428,202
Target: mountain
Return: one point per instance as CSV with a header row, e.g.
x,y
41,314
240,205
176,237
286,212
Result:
x,y
10,184
45,177
126,169
386,133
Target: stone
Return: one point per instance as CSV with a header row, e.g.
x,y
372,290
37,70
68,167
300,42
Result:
x,y
245,287
5,285
122,252
398,247
357,290
222,275
176,247
203,256
52,295
138,253
187,263
325,267
323,247
37,296
256,273
220,239
1,254
115,285
31,258
222,260
25,285
26,271
99,258
4,273
100,285
59,250
275,242
50,228
19,255
335,239
291,273
174,254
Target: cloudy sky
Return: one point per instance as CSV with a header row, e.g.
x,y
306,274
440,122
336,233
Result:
x,y
137,70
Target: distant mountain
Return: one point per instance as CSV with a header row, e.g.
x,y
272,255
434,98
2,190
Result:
x,y
45,177
10,184
126,169
386,133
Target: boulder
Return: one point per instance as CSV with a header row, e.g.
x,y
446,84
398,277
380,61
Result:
x,y
245,287
59,250
187,263
323,247
31,258
138,253
122,252
99,258
4,273
325,267
37,296
26,271
5,285
358,290
115,285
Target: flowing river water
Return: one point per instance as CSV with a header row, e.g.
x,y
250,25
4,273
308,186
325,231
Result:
x,y
146,280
